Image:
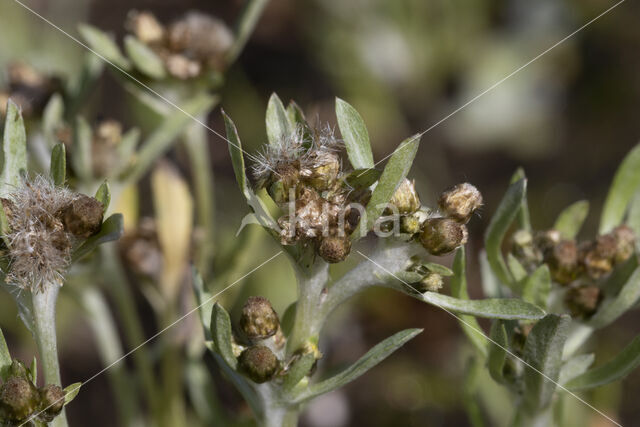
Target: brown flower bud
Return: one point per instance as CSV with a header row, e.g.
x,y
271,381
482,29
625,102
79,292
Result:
x,y
201,36
582,301
258,320
545,241
432,282
524,249
405,199
460,202
597,257
334,249
324,170
412,224
51,402
258,363
563,261
18,398
83,216
626,243
181,67
442,235
145,27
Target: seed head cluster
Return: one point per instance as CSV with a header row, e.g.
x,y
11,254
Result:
x,y
44,222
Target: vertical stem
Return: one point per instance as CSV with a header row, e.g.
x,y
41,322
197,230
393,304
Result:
x,y
244,28
44,316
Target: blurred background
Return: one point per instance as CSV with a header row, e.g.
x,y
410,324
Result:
x,y
568,118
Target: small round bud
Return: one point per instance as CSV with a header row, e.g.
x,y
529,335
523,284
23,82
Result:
x,y
334,249
281,186
18,398
582,301
547,240
563,261
442,235
258,363
524,249
412,224
83,216
145,27
258,320
51,402
460,202
597,257
181,67
432,282
406,199
626,241
324,171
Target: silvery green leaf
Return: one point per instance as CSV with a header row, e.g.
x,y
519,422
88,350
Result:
x,y
374,356
517,270
58,168
543,354
490,283
52,117
279,127
497,353
490,308
297,371
128,146
392,176
360,179
202,298
222,335
103,195
5,357
500,222
438,268
33,370
355,135
14,150
575,366
617,368
167,133
626,183
82,147
537,286
112,229
144,59
633,219
4,226
70,392
469,324
570,220
103,45
613,307
296,115
524,221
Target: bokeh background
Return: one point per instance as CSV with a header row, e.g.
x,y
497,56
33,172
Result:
x,y
568,118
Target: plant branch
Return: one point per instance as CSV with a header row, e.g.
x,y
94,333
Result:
x,y
245,25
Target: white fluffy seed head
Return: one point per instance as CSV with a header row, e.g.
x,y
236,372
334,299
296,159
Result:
x,y
39,247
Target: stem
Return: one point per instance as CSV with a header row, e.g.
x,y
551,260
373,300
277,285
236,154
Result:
x,y
44,316
244,28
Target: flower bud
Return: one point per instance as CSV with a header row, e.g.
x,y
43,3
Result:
x,y
83,216
334,249
412,224
547,240
524,249
442,235
582,301
563,261
145,27
18,398
258,363
406,199
258,320
460,201
597,257
432,282
626,243
52,399
323,173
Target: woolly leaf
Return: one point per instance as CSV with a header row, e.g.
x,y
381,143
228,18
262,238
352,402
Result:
x,y
103,45
570,220
202,298
515,267
112,229
612,308
52,117
58,168
70,392
497,353
279,127
33,370
524,221
4,227
374,356
575,366
355,135
500,222
5,357
360,179
82,147
625,184
298,370
103,195
14,150
491,308
222,336
144,59
617,368
438,268
394,173
537,286
543,353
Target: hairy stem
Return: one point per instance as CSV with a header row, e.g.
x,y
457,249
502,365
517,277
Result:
x,y
44,316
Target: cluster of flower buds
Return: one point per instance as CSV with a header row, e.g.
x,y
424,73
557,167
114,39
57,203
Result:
x,y
28,88
187,46
577,265
22,402
44,222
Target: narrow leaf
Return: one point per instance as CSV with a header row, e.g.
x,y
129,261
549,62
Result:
x,y
298,370
570,220
127,147
575,366
374,356
203,297
70,392
537,286
279,127
355,135
524,221
144,59
222,336
5,357
58,168
491,308
625,184
497,353
612,308
438,268
103,195
498,227
362,178
103,45
517,270
14,150
52,117
617,368
543,354
82,143
112,229
394,173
